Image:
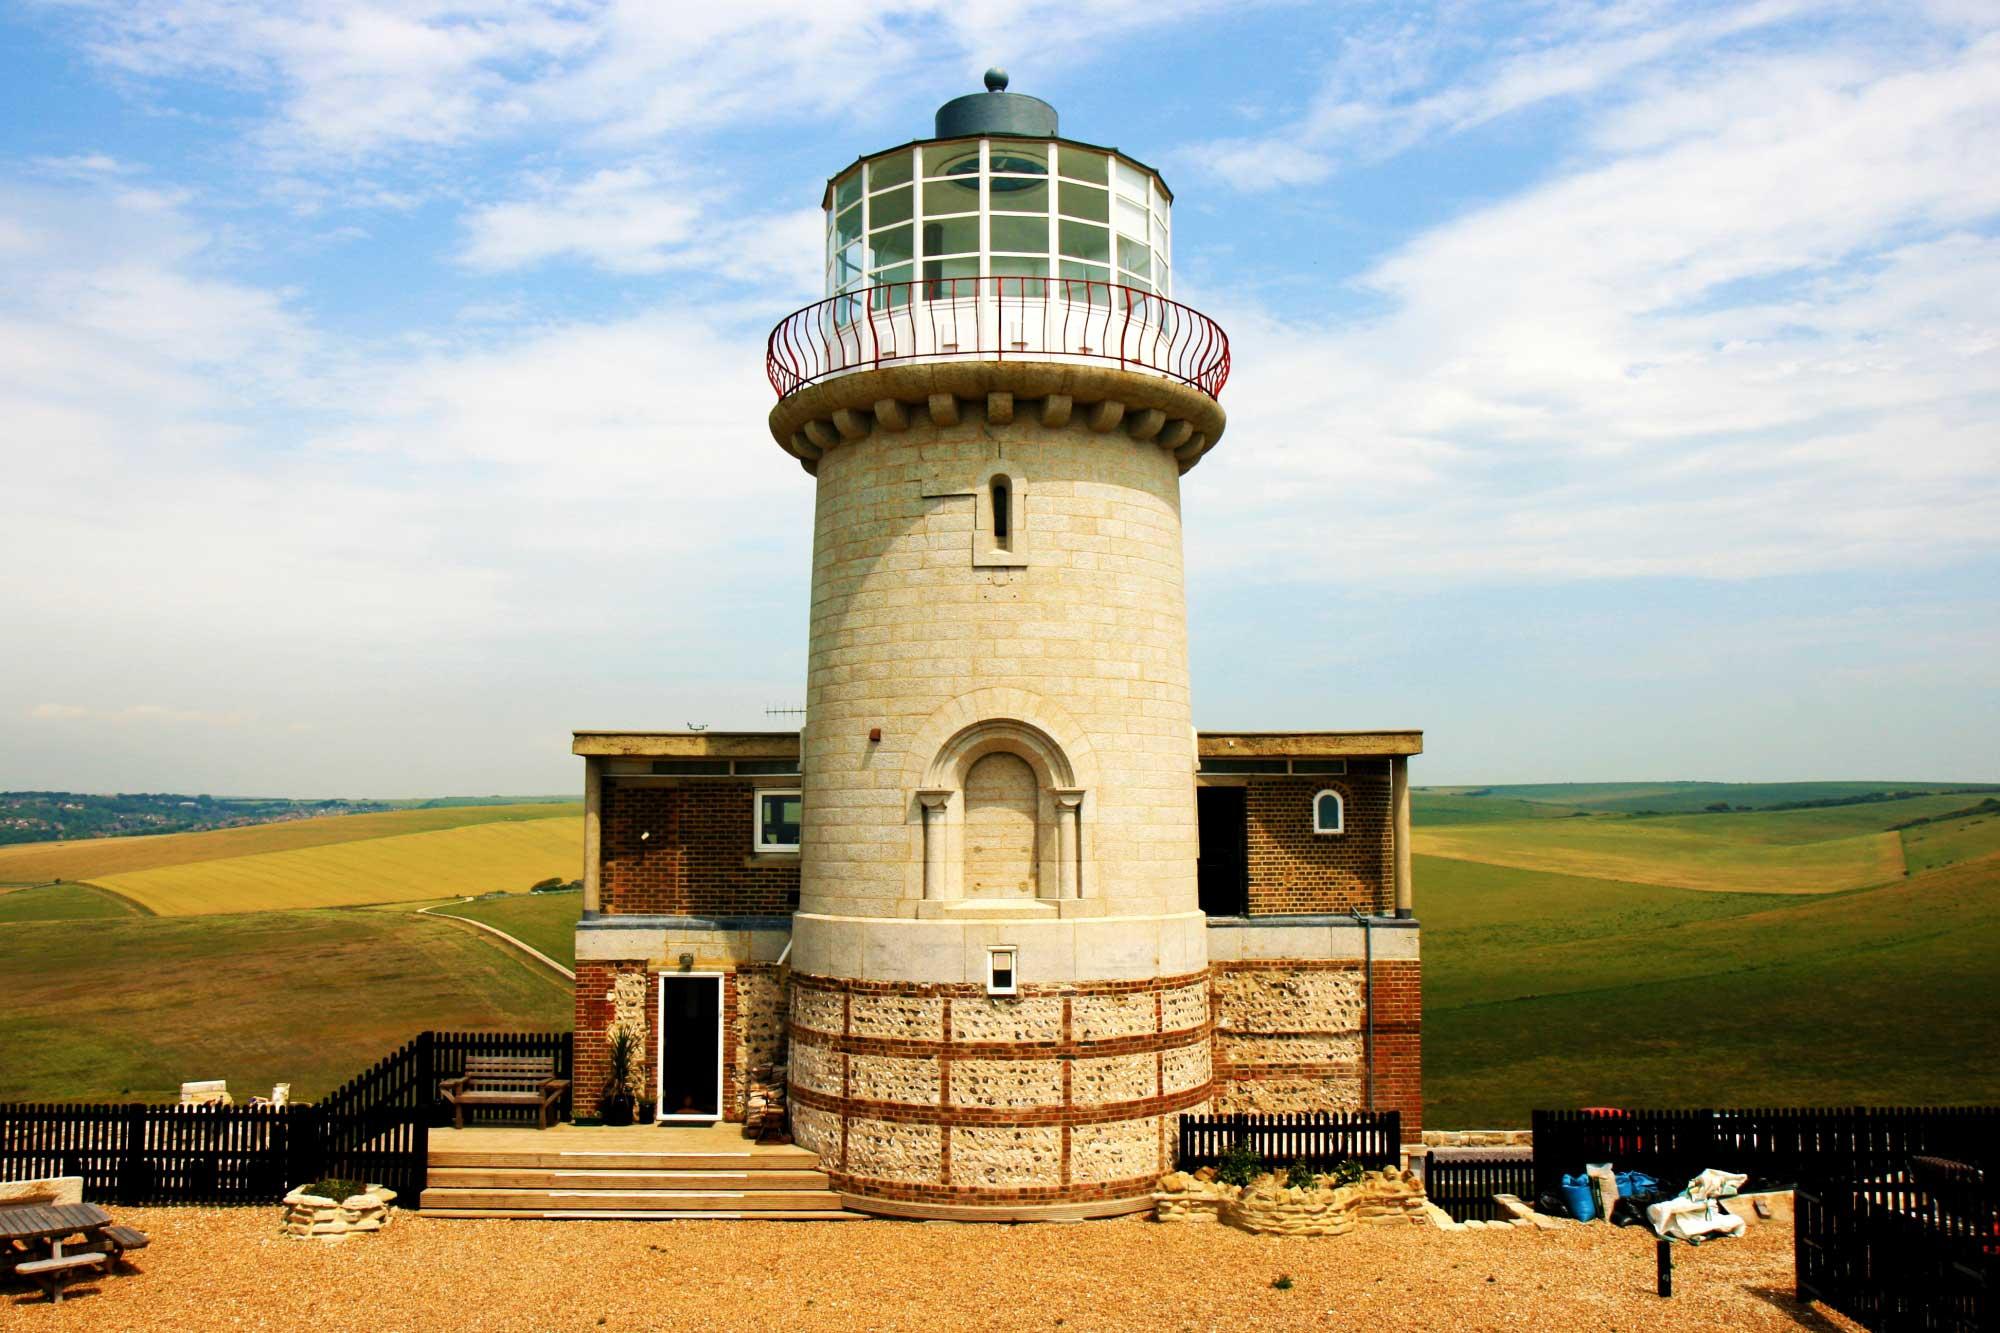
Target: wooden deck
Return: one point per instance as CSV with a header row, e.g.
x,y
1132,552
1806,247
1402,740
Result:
x,y
640,1171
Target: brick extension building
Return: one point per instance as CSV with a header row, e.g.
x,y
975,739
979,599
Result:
x,y
1000,911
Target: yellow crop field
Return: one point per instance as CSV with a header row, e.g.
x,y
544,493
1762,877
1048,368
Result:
x,y
94,858
1685,854
505,855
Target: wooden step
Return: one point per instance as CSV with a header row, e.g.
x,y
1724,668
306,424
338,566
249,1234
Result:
x,y
623,1200
765,1159
653,1215
548,1178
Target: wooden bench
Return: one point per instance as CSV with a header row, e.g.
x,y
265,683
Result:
x,y
122,1240
52,1273
506,1080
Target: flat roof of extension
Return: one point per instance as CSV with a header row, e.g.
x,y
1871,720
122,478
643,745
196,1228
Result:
x,y
785,744
1297,744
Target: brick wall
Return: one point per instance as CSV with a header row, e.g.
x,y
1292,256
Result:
x,y
1293,869
695,862
594,980
1291,1035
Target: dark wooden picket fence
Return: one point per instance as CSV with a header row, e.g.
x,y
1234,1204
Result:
x,y
1773,1146
1915,1249
375,1127
1464,1185
1322,1140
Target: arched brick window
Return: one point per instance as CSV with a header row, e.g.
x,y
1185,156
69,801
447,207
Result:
x,y
1329,812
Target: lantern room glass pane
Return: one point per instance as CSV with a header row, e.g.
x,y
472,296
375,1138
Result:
x,y
1018,194
1020,233
952,159
892,288
951,196
847,267
847,227
1015,272
1085,273
1134,257
1083,165
1083,201
890,206
952,236
893,245
949,279
1132,182
891,169
1081,240
1014,157
847,190
1131,219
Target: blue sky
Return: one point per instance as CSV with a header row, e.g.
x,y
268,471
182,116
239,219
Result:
x,y
381,390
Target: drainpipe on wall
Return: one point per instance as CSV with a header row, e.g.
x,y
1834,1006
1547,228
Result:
x,y
1367,924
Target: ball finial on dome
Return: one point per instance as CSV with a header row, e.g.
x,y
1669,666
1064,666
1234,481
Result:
x,y
996,80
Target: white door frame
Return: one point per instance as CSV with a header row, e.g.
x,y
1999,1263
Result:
x,y
660,1016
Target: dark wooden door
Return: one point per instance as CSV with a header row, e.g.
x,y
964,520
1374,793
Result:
x,y
1224,874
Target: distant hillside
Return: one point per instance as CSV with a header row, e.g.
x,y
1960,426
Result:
x,y
100,859
67,816
1478,805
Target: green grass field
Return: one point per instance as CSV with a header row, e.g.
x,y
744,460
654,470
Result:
x,y
1546,988
63,902
109,1008
544,921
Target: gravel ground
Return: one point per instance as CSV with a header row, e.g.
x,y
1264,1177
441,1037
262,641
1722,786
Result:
x,y
229,1268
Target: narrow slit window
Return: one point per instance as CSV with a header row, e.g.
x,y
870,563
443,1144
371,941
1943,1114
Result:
x,y
1003,515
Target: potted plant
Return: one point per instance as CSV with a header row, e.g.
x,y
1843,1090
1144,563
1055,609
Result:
x,y
614,1106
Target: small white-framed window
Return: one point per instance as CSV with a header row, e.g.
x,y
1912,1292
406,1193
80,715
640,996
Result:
x,y
778,813
1329,812
1000,974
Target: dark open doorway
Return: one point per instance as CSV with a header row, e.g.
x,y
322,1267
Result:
x,y
690,1047
1224,875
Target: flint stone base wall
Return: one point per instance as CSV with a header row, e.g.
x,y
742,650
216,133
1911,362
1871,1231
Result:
x,y
939,1095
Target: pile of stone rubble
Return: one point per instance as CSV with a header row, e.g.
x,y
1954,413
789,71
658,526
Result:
x,y
764,1117
1268,1206
317,1217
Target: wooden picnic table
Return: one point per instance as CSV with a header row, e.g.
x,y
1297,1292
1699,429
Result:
x,y
32,1237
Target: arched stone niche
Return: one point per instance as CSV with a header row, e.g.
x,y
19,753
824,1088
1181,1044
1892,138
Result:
x,y
1001,813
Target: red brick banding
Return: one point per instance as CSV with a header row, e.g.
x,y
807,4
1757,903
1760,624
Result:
x,y
1066,1115
1398,1038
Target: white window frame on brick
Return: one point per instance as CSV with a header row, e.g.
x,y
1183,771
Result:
x,y
1003,958
757,843
1339,811
660,1113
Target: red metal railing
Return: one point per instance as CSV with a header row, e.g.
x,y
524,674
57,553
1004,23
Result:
x,y
978,319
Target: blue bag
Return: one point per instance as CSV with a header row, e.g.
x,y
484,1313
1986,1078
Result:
x,y
1580,1197
1636,1183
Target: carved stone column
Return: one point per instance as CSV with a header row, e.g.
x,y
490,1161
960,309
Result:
x,y
1069,807
934,800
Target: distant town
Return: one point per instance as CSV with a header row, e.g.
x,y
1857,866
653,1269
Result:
x,y
63,816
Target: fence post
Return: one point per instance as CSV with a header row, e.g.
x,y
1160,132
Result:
x,y
426,1095
132,1166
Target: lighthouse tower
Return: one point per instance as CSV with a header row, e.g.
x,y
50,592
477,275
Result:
x,y
998,965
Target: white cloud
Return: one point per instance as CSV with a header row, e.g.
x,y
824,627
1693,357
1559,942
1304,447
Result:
x,y
356,78
1396,81
1763,341
645,218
